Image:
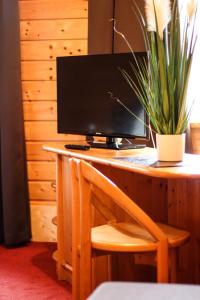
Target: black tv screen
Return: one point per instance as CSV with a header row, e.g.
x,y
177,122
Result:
x,y
87,91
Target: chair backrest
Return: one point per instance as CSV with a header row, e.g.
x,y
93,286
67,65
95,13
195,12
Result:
x,y
95,188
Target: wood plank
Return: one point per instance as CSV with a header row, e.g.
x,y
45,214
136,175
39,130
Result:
x,y
53,9
40,110
42,131
53,29
38,70
46,131
42,190
39,90
41,171
42,212
35,152
49,50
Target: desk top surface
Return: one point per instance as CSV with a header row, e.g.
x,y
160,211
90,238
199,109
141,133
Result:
x,y
142,161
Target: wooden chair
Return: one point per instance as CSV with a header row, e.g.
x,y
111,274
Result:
x,y
91,188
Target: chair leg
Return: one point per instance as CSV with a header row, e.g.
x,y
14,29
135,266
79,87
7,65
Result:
x,y
85,276
110,273
173,265
76,278
162,264
61,273
113,267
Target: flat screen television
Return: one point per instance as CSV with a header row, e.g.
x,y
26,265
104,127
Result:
x,y
94,99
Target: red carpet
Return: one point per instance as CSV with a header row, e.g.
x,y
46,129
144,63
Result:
x,y
29,273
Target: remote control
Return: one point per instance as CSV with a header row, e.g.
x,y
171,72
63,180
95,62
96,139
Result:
x,y
77,147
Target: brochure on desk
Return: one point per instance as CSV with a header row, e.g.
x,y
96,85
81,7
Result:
x,y
150,160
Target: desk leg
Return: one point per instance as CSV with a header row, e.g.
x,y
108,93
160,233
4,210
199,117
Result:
x,y
60,257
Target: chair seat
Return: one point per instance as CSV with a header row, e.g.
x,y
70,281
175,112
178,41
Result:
x,y
126,237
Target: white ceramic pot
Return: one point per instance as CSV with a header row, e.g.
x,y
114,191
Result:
x,y
170,147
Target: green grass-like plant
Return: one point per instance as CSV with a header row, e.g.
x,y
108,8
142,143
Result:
x,y
162,79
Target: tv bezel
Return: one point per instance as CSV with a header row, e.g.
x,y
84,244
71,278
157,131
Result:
x,y
101,134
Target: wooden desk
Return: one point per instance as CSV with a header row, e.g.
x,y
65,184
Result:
x,y
170,195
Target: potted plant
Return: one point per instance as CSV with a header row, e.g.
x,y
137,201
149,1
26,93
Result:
x,y
162,80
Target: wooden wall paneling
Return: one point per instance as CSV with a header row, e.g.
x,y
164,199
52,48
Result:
x,y
40,110
46,131
48,28
57,9
42,190
41,170
53,29
39,90
49,50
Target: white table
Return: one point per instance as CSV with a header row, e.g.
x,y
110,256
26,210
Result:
x,y
145,291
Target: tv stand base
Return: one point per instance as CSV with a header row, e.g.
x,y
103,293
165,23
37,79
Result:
x,y
111,143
